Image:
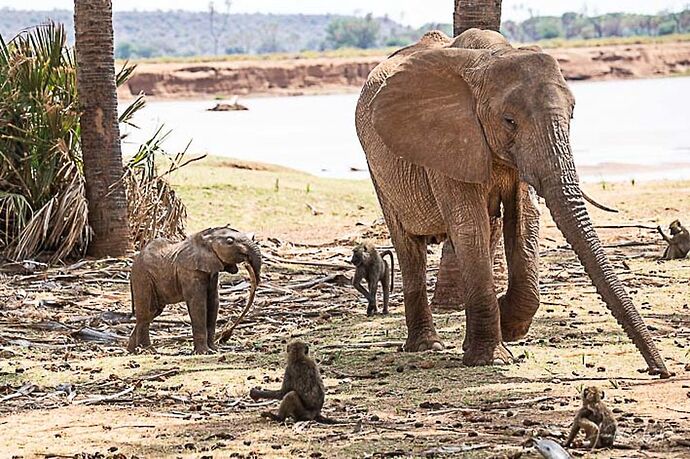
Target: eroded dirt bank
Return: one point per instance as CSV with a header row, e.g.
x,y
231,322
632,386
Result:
x,y
322,75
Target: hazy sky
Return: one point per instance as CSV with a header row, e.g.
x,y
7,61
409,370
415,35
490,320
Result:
x,y
414,12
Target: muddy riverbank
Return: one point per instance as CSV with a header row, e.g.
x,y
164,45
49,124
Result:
x,y
298,76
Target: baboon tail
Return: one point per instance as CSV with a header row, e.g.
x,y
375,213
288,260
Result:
x,y
390,254
324,420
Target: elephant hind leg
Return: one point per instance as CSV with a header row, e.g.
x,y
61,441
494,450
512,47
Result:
x,y
146,308
411,251
448,292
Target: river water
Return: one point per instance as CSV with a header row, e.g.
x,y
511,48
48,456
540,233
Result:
x,y
622,130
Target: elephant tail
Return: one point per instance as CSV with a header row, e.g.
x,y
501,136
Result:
x,y
390,254
131,294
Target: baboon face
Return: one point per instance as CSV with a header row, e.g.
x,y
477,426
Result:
x,y
297,348
675,227
359,255
591,395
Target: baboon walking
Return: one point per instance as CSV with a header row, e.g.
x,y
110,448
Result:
x,y
371,267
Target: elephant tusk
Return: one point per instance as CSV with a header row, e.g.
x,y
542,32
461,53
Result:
x,y
224,336
597,205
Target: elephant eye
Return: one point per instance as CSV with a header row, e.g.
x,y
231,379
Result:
x,y
510,121
230,240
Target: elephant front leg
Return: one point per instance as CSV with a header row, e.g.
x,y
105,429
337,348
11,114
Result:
x,y
521,232
213,303
195,294
464,211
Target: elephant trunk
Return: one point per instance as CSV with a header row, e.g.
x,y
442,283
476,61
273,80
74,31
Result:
x,y
559,186
254,268
254,259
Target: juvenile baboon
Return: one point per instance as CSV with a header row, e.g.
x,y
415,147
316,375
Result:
x,y
678,243
371,266
595,419
302,392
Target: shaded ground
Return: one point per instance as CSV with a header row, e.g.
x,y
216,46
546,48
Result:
x,y
172,404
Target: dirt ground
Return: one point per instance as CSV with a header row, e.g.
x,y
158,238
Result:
x,y
62,394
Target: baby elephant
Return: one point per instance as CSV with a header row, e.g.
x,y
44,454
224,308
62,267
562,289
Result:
x,y
167,272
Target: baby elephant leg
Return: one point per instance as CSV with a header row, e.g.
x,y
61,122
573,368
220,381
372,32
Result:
x,y
146,309
195,292
213,304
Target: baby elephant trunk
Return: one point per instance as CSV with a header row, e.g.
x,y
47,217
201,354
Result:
x,y
254,259
254,268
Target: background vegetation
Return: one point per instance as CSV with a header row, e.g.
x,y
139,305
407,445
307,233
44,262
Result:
x,y
43,207
140,34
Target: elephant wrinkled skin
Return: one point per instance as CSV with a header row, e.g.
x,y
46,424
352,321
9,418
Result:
x,y
455,129
167,272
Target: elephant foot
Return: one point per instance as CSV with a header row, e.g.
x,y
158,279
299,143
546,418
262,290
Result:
x,y
424,342
512,329
487,354
203,350
515,331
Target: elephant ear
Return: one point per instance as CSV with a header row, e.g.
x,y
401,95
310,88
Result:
x,y
196,254
425,114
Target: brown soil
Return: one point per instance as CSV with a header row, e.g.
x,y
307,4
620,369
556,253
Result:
x,y
323,75
395,404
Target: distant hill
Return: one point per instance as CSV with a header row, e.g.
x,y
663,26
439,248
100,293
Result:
x,y
143,34
185,33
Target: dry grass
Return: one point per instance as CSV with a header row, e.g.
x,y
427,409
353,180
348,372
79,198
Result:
x,y
271,200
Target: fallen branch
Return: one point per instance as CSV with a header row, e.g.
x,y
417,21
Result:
x,y
104,398
306,263
26,389
321,280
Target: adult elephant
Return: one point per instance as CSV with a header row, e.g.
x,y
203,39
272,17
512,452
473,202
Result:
x,y
452,129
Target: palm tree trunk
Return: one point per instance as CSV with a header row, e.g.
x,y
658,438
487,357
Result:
x,y
482,14
100,133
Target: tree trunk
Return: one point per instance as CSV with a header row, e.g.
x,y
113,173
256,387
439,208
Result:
x,y
482,14
100,133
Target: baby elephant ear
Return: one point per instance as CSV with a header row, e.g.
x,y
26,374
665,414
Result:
x,y
425,114
196,254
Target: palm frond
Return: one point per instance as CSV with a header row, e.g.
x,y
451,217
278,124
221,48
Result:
x,y
43,209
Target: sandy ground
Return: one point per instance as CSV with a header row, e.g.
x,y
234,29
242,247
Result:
x,y
292,76
55,384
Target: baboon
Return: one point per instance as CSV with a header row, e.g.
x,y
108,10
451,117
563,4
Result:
x,y
595,419
302,392
371,266
678,243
